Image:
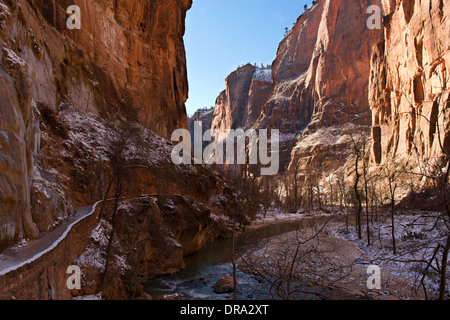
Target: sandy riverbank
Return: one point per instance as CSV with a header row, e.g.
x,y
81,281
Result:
x,y
328,261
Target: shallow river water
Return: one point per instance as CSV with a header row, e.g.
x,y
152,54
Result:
x,y
212,263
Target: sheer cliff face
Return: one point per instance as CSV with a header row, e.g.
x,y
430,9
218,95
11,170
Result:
x,y
319,87
239,105
128,59
322,66
409,80
205,116
134,54
321,82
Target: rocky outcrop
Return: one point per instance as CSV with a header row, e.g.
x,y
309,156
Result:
x,y
409,82
239,105
127,61
155,233
127,53
321,82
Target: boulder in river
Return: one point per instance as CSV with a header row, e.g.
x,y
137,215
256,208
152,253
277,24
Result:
x,y
224,285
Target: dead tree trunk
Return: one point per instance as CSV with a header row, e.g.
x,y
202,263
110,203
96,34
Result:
x,y
366,189
443,279
358,196
392,188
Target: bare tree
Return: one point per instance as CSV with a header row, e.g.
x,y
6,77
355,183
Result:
x,y
286,273
437,169
392,175
357,152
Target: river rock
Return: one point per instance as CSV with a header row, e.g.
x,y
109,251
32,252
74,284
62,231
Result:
x,y
224,285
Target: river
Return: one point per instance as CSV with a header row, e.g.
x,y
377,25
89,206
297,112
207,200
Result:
x,y
212,263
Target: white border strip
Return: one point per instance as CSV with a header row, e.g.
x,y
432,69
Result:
x,y
53,246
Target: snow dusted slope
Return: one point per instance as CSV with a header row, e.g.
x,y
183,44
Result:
x,y
120,60
263,75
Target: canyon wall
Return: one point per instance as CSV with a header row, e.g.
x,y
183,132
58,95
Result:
x,y
334,78
240,104
316,93
78,107
409,82
321,83
61,91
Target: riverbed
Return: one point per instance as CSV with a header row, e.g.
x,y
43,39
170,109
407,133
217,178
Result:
x,y
214,261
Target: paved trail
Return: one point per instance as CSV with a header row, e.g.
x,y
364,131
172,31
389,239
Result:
x,y
17,256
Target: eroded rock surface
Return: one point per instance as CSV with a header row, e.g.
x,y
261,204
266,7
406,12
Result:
x,y
127,61
239,105
409,81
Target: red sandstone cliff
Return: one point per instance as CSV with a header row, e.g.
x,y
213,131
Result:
x,y
409,81
239,105
319,93
78,104
128,60
321,82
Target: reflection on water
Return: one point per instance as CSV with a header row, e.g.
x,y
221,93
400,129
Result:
x,y
212,263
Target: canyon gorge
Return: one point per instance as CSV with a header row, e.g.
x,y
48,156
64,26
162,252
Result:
x,y
87,117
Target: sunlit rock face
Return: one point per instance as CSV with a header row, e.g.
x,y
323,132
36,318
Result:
x,y
203,117
321,81
318,91
409,81
240,104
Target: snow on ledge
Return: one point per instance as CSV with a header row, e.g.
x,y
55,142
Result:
x,y
53,246
263,75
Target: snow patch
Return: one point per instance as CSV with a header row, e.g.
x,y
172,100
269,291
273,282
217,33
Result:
x,y
13,58
263,75
53,246
89,297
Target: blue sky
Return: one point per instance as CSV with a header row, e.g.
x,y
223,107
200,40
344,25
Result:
x,y
223,34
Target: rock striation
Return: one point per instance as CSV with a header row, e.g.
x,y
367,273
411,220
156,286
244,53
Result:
x,y
409,82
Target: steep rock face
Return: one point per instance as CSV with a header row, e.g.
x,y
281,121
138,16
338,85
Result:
x,y
239,105
159,232
15,165
133,53
127,61
318,97
324,57
409,81
321,81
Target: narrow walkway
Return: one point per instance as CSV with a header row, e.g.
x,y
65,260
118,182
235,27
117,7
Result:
x,y
18,256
